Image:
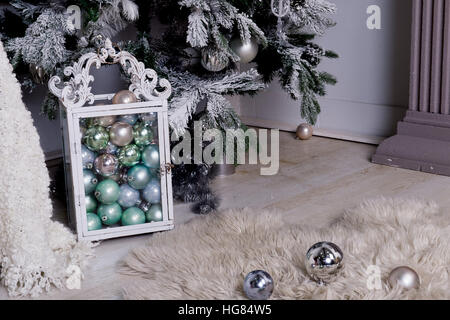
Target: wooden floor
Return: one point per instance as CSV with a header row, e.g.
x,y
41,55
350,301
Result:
x,y
317,180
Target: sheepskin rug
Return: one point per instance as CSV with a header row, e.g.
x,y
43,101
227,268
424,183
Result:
x,y
36,253
209,257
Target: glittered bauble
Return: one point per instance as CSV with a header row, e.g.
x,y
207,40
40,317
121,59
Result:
x,y
133,216
129,155
107,191
124,96
128,196
214,60
111,148
96,138
87,157
150,156
110,213
131,119
247,51
138,176
258,285
148,118
324,261
142,133
404,277
121,134
93,221
304,131
152,191
154,214
90,181
91,203
106,164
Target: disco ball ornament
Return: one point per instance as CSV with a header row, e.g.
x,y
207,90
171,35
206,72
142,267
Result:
x,y
128,196
138,176
246,51
93,221
152,191
133,216
121,134
106,165
404,277
142,133
324,261
154,213
214,60
87,157
107,191
96,138
258,285
90,181
131,119
110,213
150,156
304,131
124,97
129,155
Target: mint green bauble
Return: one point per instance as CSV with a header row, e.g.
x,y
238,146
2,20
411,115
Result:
x,y
91,203
133,216
93,222
90,181
110,213
154,214
150,156
129,155
142,133
138,176
107,191
96,138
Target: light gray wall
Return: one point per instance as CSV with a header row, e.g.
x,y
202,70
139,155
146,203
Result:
x,y
373,75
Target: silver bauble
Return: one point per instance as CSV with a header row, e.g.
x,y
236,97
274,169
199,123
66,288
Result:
x,y
152,191
404,277
123,97
110,148
304,131
87,157
246,51
121,134
128,197
150,156
105,121
106,165
148,118
258,285
214,60
324,261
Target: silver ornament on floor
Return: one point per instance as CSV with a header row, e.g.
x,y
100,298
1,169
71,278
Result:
x,y
121,134
106,165
304,131
404,277
214,60
258,285
123,97
324,261
246,51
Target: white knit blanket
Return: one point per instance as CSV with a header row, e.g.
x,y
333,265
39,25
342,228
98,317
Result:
x,y
36,252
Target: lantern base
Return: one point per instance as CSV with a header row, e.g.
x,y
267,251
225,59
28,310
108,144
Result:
x,y
422,143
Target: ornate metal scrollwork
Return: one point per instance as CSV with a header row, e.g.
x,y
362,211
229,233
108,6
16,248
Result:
x,y
76,92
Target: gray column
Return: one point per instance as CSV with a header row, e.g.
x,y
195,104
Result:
x,y
423,138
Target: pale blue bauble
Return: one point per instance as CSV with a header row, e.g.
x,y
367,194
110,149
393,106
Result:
x,y
90,181
150,156
138,176
87,157
128,118
128,196
152,191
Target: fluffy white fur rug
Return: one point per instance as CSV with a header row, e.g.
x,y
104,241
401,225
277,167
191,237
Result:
x,y
35,252
209,257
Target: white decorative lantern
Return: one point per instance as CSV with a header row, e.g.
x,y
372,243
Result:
x,y
128,188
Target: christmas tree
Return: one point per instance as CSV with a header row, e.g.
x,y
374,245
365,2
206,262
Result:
x,y
198,45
